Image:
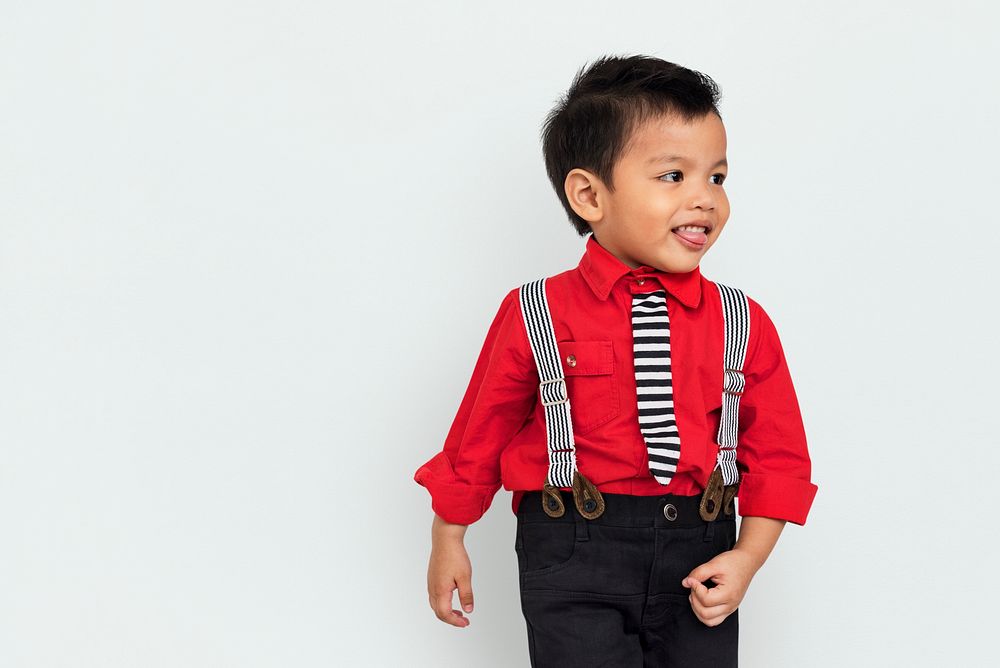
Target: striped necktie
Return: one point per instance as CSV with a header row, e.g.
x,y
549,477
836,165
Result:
x,y
654,389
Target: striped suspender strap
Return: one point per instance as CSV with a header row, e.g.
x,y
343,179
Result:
x,y
736,317
552,386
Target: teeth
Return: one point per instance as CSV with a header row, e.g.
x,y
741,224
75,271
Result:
x,y
692,228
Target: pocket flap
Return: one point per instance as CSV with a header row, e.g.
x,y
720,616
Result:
x,y
586,358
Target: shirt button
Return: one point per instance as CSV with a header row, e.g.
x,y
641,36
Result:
x,y
641,281
571,360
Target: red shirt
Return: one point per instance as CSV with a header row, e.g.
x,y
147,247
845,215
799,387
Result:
x,y
498,436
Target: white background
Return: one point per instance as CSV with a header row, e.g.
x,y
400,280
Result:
x,y
249,252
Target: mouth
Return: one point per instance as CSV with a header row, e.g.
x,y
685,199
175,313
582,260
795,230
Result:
x,y
693,235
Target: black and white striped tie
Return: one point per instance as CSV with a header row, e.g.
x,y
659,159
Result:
x,y
654,388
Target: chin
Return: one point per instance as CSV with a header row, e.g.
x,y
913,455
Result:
x,y
675,265
682,269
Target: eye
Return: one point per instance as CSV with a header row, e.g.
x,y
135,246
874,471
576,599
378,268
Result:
x,y
721,177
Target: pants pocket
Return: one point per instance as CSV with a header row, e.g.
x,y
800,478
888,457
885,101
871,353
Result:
x,y
545,546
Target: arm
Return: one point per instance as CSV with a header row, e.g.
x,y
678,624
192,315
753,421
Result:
x,y
732,571
758,536
464,476
771,454
775,468
449,568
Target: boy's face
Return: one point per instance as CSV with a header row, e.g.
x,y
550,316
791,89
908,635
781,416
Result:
x,y
655,195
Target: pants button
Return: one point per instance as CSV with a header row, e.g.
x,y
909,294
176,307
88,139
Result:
x,y
670,512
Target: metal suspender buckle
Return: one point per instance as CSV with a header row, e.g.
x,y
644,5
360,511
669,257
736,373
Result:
x,y
733,382
547,390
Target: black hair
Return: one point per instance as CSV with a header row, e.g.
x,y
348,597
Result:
x,y
592,124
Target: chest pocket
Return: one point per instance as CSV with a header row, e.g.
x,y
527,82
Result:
x,y
589,368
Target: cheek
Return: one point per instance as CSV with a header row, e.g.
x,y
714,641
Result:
x,y
657,205
717,232
722,204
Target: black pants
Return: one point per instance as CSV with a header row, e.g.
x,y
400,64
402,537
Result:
x,y
608,592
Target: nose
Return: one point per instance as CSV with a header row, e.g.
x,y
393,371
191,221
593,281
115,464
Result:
x,y
702,196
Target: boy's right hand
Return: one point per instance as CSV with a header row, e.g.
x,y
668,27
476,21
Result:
x,y
449,568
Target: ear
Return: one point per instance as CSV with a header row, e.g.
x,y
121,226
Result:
x,y
586,194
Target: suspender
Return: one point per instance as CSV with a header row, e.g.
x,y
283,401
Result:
x,y
558,424
563,472
552,388
725,478
736,317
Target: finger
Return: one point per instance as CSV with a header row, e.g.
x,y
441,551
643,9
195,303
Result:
x,y
701,593
465,591
717,595
712,621
708,608
701,573
441,604
456,618
709,615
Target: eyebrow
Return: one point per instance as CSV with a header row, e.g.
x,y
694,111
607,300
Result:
x,y
679,158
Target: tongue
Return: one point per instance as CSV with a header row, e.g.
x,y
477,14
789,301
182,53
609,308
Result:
x,y
693,237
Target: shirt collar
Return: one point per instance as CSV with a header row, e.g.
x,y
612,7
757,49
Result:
x,y
601,269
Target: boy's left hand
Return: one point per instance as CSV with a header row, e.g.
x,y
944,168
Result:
x,y
731,571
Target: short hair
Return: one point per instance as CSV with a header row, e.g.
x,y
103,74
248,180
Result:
x,y
592,124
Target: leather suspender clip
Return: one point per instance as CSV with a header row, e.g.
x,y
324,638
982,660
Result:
x,y
717,496
588,499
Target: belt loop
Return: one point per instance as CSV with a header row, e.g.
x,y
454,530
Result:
x,y
709,530
582,527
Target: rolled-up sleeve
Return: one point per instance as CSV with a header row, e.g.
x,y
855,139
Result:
x,y
771,453
464,477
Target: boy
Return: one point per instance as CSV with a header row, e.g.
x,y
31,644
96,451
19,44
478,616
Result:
x,y
626,528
